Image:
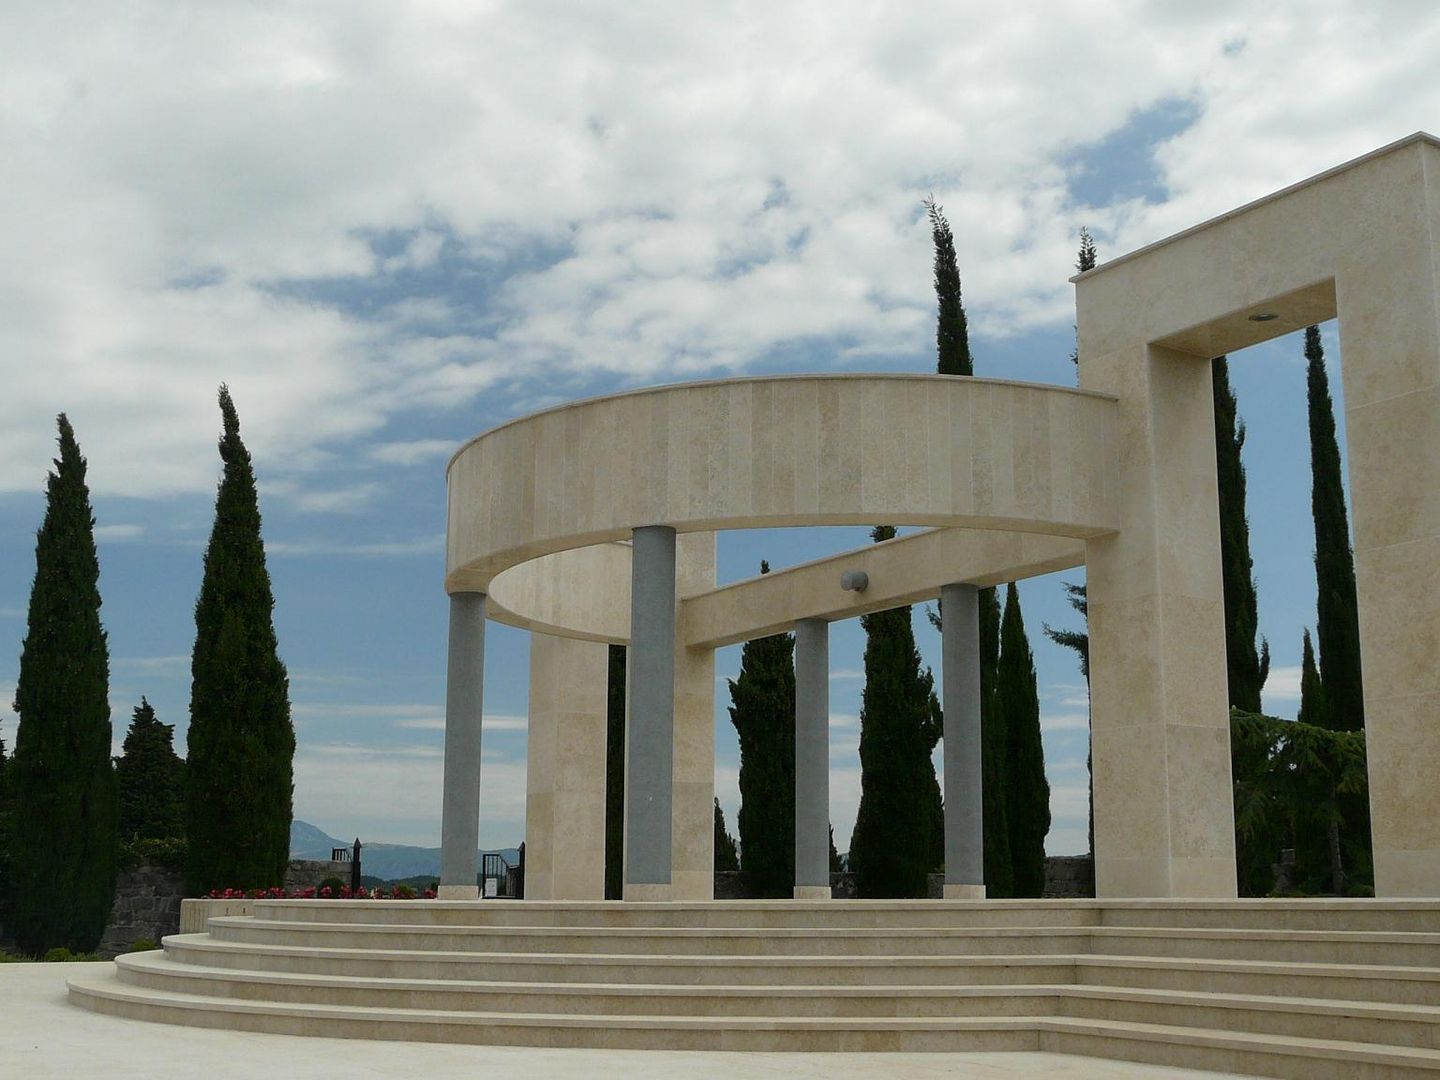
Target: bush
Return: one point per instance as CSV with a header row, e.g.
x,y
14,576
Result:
x,y
169,852
334,884
63,955
143,944
402,892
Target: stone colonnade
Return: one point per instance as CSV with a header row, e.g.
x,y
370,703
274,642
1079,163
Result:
x,y
667,851
1011,480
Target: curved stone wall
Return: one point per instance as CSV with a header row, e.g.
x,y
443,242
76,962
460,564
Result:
x,y
801,450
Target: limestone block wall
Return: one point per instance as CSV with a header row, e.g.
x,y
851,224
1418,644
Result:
x,y
147,907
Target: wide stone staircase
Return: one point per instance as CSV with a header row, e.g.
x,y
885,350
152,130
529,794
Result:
x,y
1313,989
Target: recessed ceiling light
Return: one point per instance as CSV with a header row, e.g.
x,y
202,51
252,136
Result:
x,y
1264,316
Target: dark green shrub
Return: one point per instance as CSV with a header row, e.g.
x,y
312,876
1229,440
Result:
x,y
143,944
334,884
169,852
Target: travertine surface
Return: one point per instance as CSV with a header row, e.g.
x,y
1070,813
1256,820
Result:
x,y
46,1038
1361,242
565,770
794,450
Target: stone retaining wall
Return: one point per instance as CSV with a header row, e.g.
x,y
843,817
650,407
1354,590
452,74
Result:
x,y
147,907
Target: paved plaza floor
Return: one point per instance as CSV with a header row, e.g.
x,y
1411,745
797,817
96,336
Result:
x,y
43,1037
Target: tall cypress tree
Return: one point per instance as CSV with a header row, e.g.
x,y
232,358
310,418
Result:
x,y
893,845
615,776
240,776
151,778
1246,668
1079,642
952,334
1084,260
6,819
953,357
65,817
727,857
1338,621
763,712
1017,699
1312,691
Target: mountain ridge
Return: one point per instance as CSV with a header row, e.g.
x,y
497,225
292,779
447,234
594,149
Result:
x,y
387,861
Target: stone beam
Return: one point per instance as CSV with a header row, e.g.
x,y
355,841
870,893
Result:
x,y
906,570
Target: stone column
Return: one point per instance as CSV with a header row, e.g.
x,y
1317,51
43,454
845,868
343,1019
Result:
x,y
1164,809
565,769
812,759
1389,306
464,701
692,820
964,791
650,709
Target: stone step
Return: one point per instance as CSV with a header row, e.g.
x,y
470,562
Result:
x,y
1233,1051
1397,1025
1397,985
749,969
683,940
1306,914
719,913
1319,946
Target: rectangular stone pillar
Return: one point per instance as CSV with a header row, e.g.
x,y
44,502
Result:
x,y
1390,362
1164,810
812,760
650,714
692,866
565,770
964,792
464,706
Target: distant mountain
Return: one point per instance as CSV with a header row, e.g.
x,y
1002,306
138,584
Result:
x,y
388,861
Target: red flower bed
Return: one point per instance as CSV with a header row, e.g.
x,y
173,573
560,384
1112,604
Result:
x,y
400,892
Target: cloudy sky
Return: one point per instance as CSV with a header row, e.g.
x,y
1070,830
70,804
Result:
x,y
391,226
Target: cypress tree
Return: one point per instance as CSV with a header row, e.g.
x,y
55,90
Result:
x,y
1017,699
6,820
615,776
240,779
1312,691
1079,642
1337,628
65,817
952,335
1084,260
892,847
953,357
726,855
763,712
151,779
1245,667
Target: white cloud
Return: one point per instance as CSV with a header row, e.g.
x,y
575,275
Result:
x,y
413,452
150,665
424,546
674,189
392,794
119,533
1064,722
344,500
1283,684
488,724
